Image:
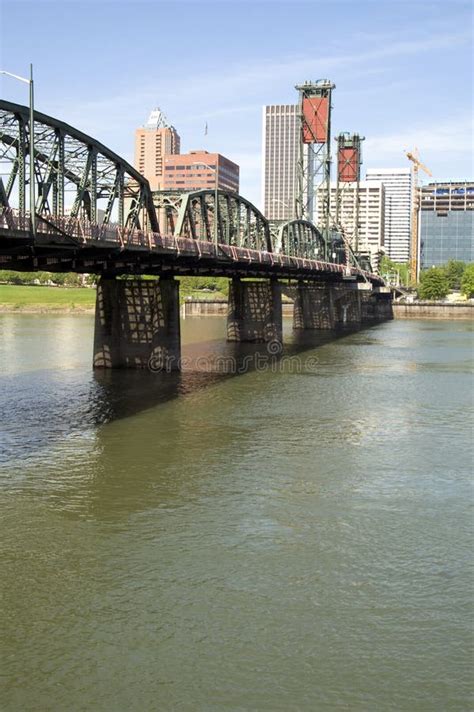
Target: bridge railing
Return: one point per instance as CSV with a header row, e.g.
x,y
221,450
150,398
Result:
x,y
66,228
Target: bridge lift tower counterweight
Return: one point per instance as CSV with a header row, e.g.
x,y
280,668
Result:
x,y
349,159
314,158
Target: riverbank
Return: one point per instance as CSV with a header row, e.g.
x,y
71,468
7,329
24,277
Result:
x,y
416,310
434,310
81,300
39,299
33,299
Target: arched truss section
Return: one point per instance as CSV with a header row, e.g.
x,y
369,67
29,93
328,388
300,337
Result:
x,y
75,175
194,215
300,238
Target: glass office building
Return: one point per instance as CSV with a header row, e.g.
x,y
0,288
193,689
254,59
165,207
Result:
x,y
446,222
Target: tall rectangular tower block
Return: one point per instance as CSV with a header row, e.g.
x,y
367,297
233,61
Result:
x,y
137,324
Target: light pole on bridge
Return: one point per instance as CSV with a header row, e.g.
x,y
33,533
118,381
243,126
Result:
x,y
32,143
281,202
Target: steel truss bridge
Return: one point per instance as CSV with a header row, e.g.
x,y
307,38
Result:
x,y
96,214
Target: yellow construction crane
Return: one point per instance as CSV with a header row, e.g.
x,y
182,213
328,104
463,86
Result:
x,y
417,164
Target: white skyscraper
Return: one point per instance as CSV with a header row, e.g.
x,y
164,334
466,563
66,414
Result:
x,y
371,215
397,209
280,157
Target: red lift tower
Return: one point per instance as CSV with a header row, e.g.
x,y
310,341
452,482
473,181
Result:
x,y
349,160
314,159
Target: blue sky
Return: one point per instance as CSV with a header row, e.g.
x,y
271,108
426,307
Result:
x,y
403,72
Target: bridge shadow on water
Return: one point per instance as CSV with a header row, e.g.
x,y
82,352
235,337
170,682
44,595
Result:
x,y
122,393
48,406
68,457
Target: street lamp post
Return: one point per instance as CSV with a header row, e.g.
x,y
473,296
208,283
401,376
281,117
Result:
x,y
216,197
281,202
32,143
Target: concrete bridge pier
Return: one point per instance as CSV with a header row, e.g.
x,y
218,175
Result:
x,y
368,306
313,306
137,324
384,303
347,304
254,311
376,305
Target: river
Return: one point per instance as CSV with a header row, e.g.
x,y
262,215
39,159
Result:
x,y
292,536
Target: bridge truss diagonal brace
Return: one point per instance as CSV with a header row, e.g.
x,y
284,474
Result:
x,y
254,311
137,324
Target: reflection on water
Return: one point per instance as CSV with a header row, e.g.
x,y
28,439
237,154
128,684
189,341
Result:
x,y
47,399
274,538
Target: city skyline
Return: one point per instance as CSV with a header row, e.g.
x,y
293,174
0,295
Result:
x,y
388,67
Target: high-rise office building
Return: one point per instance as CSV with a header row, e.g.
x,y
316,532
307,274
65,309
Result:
x,y
199,170
281,125
446,223
153,141
397,209
371,216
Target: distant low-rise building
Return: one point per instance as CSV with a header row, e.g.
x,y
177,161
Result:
x,y
446,223
199,170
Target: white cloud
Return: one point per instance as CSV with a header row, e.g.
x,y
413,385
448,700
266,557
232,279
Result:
x,y
230,100
449,137
444,146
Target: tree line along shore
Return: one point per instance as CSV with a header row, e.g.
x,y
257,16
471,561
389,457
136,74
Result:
x,y
48,291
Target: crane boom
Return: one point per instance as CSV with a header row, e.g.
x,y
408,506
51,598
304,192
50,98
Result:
x,y
414,246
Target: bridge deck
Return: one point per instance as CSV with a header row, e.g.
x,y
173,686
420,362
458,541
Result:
x,y
62,245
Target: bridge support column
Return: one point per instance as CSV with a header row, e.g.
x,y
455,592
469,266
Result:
x,y
254,311
347,304
137,324
368,306
313,306
383,307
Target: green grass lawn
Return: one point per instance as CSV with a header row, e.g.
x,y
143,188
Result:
x,y
36,298
21,297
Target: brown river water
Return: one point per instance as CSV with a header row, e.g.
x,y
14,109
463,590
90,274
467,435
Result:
x,y
292,535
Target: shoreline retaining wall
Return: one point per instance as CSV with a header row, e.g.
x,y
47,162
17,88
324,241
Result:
x,y
434,310
417,310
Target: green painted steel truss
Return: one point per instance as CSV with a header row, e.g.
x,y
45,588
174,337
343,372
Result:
x,y
78,177
75,175
193,214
